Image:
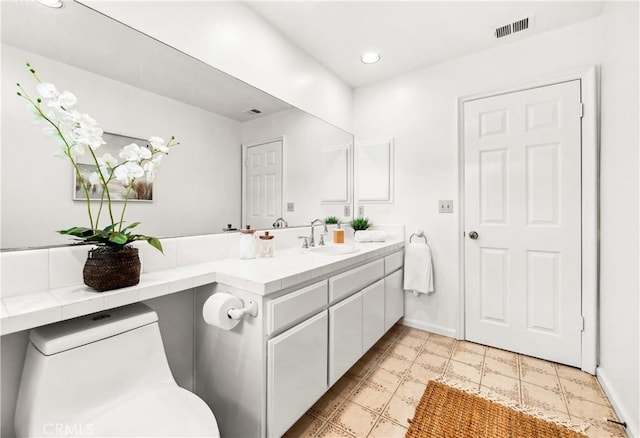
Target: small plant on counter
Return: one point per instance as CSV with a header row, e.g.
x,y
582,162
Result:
x,y
76,134
331,220
360,223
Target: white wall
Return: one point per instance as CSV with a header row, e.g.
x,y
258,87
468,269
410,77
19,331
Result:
x,y
234,39
197,189
420,110
305,137
619,286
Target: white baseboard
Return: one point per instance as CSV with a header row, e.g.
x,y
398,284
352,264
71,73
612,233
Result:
x,y
621,411
443,331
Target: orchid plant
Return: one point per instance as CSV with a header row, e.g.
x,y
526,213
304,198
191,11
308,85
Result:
x,y
77,134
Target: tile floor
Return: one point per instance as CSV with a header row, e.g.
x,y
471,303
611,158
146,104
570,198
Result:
x,y
378,395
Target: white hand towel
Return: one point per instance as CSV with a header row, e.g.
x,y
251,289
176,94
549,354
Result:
x,y
418,269
370,236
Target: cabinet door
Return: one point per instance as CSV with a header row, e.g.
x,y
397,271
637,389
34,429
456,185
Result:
x,y
393,299
345,336
296,372
373,323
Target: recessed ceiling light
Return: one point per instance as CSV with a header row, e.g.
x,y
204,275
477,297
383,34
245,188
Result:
x,y
370,58
51,3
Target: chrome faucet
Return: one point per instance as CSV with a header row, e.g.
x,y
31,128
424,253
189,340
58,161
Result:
x,y
312,240
280,223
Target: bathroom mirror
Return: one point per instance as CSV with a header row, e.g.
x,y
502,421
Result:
x,y
136,86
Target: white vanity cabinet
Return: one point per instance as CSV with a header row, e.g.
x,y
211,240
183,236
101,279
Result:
x,y
264,374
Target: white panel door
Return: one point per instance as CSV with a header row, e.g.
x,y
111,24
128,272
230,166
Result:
x,y
522,222
296,372
263,184
345,336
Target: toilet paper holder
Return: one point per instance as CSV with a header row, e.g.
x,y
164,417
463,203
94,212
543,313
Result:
x,y
251,309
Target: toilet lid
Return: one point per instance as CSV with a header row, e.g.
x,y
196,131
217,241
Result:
x,y
168,411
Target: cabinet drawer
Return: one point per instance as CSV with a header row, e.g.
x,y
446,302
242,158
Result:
x,y
354,280
393,262
296,305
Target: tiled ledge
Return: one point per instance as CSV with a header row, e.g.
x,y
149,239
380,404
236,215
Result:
x,y
260,276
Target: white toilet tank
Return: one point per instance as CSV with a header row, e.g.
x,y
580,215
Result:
x,y
105,374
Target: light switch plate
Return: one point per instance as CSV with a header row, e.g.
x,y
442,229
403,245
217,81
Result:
x,y
290,206
347,210
445,206
360,210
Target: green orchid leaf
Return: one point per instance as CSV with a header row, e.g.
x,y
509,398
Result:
x,y
133,225
77,231
110,228
118,238
155,243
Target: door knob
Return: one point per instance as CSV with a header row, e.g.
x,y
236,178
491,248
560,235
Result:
x,y
473,235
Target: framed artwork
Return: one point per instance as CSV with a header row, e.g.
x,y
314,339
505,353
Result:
x,y
141,191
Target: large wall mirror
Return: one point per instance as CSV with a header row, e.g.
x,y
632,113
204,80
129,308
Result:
x,y
245,158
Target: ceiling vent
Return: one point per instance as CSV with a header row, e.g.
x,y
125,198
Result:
x,y
253,112
513,27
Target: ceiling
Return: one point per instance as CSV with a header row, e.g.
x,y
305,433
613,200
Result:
x,y
81,37
408,35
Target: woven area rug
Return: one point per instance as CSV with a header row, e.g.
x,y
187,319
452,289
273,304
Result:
x,y
445,411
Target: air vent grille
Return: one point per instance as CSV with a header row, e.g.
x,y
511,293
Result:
x,y
513,27
253,111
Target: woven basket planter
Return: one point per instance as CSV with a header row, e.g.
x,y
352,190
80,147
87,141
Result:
x,y
108,270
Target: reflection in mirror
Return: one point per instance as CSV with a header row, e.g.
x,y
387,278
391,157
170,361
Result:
x,y
136,86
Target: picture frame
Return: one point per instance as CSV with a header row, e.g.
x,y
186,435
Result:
x,y
142,190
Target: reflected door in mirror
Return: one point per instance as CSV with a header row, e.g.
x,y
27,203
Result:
x,y
263,184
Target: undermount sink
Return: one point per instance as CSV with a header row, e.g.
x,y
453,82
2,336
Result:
x,y
332,250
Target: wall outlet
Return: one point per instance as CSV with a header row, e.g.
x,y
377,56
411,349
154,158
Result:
x,y
445,206
360,210
347,210
290,206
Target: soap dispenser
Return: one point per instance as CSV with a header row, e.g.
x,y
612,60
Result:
x,y
247,243
338,234
266,247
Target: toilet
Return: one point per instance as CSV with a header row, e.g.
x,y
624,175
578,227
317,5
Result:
x,y
106,374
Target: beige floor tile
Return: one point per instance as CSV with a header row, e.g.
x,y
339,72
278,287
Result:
x,y
602,429
327,405
468,357
345,385
368,362
400,410
387,429
470,347
432,361
439,339
444,350
354,419
395,363
463,371
422,373
588,410
371,396
586,390
542,366
307,426
574,374
503,386
533,373
417,333
332,431
501,354
504,366
409,389
542,398
406,352
384,379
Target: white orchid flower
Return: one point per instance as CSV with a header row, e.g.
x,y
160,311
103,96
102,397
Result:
x,y
128,172
159,144
94,179
64,101
47,90
77,149
133,152
107,160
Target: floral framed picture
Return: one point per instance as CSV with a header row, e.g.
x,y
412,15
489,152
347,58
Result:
x,y
142,190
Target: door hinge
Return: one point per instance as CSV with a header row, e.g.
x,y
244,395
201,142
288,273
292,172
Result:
x,y
581,110
581,323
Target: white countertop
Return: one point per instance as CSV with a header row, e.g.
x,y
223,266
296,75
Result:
x,y
261,276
